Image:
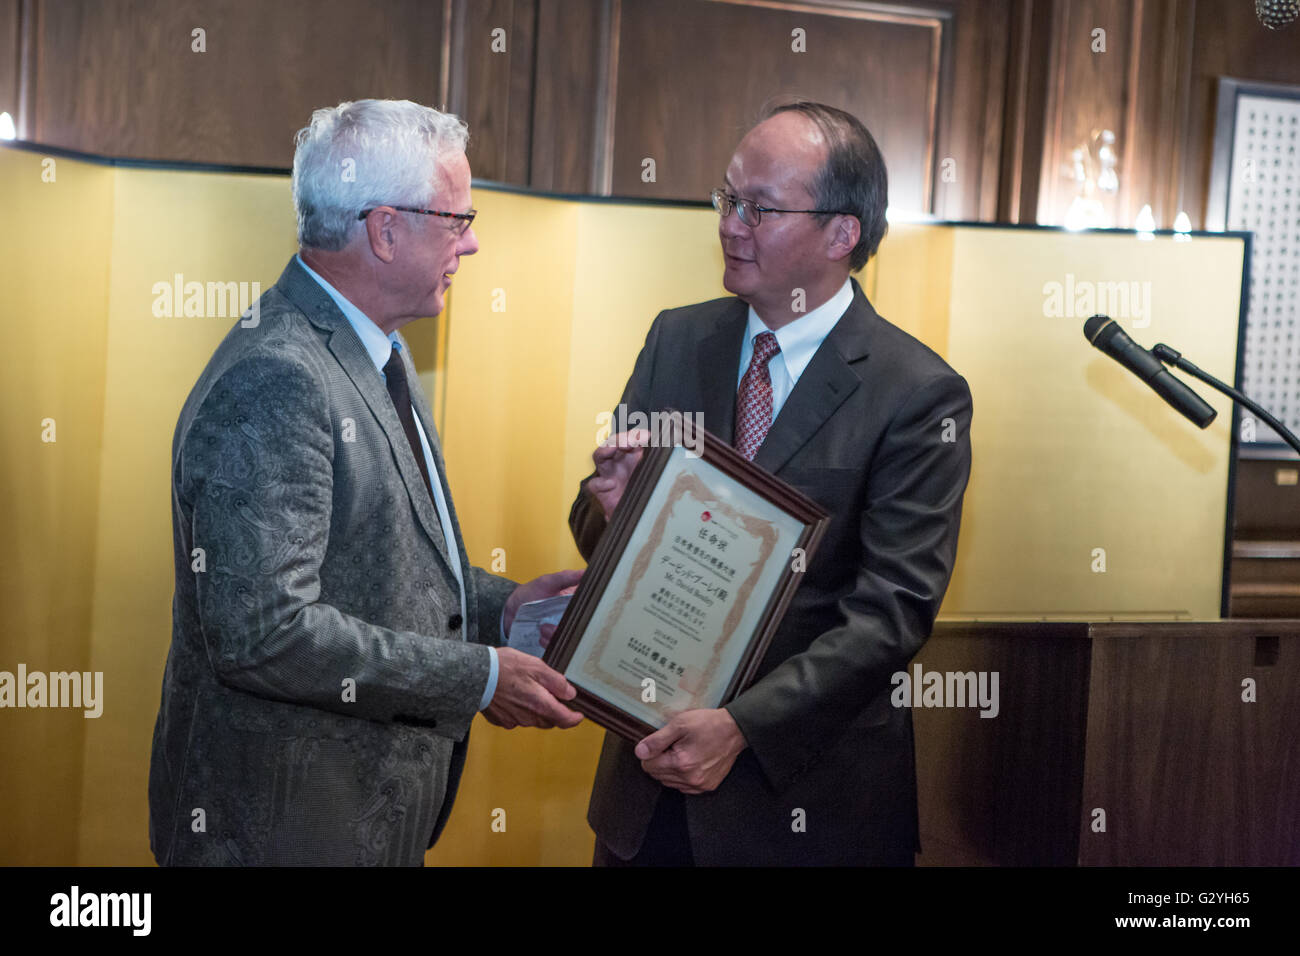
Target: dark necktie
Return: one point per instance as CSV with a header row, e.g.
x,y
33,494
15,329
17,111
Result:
x,y
395,373
754,400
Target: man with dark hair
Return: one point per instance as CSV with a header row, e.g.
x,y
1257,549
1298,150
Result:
x,y
811,764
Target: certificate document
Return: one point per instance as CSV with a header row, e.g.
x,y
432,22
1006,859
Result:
x,y
685,589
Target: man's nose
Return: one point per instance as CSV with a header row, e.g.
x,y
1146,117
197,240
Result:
x,y
468,242
730,225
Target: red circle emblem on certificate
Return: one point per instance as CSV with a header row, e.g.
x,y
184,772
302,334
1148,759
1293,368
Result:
x,y
706,516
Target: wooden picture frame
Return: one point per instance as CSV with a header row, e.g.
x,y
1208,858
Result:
x,y
666,618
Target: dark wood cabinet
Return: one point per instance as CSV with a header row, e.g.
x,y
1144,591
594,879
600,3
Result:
x,y
1114,744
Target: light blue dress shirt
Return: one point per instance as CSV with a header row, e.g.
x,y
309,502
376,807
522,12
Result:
x,y
380,348
798,340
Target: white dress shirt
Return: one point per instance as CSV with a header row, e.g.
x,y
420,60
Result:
x,y
798,340
380,348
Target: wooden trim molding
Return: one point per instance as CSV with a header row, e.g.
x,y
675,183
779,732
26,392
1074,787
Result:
x,y
602,166
882,12
444,57
29,28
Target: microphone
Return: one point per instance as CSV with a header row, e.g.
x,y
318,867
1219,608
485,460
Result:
x,y
1105,333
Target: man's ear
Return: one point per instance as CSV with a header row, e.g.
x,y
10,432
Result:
x,y
381,225
845,233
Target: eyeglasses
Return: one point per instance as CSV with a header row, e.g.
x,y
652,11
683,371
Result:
x,y
463,219
751,213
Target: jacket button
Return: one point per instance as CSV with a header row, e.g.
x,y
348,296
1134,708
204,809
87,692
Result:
x,y
454,622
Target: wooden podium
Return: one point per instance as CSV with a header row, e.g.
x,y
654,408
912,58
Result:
x,y
1142,727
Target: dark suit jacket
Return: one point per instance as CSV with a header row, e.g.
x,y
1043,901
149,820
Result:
x,y
323,562
877,431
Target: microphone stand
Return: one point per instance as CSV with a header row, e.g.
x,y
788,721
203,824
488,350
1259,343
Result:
x,y
1173,357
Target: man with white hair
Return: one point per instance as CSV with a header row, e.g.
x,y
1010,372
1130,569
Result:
x,y
330,641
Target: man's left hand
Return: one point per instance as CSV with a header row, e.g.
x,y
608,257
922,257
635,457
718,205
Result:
x,y
546,586
694,751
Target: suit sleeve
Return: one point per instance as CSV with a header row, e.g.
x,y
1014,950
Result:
x,y
586,520
491,592
908,531
256,467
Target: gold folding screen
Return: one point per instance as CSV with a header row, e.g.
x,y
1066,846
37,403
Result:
x,y
1071,454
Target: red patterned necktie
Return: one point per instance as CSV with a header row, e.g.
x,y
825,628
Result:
x,y
754,400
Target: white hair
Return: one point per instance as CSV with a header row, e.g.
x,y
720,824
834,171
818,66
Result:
x,y
367,153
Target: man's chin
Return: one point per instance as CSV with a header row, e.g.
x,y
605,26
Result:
x,y
733,283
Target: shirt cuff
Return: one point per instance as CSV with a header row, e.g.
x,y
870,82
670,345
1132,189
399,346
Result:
x,y
491,688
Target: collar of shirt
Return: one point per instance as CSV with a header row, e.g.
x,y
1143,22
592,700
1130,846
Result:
x,y
378,345
799,340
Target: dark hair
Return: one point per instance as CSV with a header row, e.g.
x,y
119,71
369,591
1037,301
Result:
x,y
853,178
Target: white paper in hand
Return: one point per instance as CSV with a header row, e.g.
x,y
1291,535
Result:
x,y
526,631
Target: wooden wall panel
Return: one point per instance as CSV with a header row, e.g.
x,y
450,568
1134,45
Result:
x,y
971,103
1024,127
570,95
693,76
1228,41
1158,101
1144,720
492,89
588,88
583,91
10,56
1004,791
1187,772
120,78
1138,88
1087,91
1155,87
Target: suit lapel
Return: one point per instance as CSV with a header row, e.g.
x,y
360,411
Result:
x,y
352,357
717,367
822,388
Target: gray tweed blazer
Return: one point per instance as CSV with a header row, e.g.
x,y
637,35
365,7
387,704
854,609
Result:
x,y
321,683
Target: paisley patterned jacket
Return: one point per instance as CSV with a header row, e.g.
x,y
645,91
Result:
x,y
321,682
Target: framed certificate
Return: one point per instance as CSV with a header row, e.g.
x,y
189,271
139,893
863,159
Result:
x,y
687,585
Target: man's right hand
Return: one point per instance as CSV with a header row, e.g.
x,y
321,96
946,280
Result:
x,y
615,460
528,694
